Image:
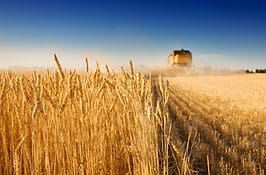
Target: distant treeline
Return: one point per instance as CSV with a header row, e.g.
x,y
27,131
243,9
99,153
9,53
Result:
x,y
256,71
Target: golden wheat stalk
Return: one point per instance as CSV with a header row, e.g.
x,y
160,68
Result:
x,y
87,65
131,69
59,66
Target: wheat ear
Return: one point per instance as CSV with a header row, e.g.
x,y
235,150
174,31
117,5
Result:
x,y
59,66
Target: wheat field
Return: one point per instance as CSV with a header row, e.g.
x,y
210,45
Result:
x,y
91,123
95,122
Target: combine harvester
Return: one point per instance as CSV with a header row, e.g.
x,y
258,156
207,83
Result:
x,y
180,63
181,58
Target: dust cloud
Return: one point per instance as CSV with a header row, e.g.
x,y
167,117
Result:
x,y
172,71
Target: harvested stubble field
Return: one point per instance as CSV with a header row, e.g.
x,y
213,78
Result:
x,y
226,117
65,122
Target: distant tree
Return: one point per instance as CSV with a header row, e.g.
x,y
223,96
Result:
x,y
260,70
249,71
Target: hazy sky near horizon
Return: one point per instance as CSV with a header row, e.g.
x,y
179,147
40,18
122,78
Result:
x,y
225,33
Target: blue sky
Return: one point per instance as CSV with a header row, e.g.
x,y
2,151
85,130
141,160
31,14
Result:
x,y
226,33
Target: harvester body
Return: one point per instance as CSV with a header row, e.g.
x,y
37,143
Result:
x,y
180,57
